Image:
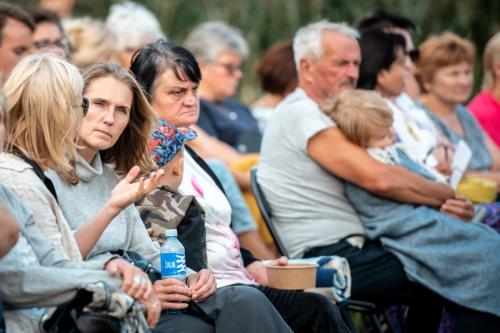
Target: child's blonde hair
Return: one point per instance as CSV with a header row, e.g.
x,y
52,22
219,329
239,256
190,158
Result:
x,y
359,114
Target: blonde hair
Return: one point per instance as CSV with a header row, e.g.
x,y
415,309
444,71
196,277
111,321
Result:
x,y
359,114
91,42
3,119
490,56
3,106
440,51
132,146
42,93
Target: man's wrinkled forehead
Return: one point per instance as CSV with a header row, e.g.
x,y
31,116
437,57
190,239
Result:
x,y
340,44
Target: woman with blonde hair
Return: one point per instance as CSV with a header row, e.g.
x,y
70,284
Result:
x,y
9,232
41,133
41,129
486,105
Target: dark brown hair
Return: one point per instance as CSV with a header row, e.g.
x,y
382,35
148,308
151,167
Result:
x,y
16,13
41,15
276,69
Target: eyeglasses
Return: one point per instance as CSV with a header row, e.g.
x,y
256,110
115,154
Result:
x,y
230,68
59,43
85,105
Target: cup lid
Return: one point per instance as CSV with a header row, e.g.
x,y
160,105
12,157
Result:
x,y
170,232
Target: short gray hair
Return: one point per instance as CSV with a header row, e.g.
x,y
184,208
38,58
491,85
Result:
x,y
133,25
208,40
307,40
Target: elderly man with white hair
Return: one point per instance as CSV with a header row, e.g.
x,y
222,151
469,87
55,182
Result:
x,y
305,160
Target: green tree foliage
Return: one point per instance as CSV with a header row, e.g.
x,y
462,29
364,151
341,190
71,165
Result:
x,y
264,22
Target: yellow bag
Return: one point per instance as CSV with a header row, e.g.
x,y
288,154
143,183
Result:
x,y
477,189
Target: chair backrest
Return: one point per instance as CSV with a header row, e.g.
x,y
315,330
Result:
x,y
265,211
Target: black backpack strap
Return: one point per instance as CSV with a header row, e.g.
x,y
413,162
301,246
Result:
x,y
39,172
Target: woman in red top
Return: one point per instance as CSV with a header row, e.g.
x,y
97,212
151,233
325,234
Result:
x,y
486,105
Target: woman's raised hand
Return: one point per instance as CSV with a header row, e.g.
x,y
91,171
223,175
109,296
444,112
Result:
x,y
127,191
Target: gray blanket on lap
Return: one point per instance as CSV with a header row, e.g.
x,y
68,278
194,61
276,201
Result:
x,y
459,261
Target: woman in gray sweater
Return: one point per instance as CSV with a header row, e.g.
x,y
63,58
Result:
x,y
114,131
40,134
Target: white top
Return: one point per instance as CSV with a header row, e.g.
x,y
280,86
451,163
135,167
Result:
x,y
223,247
262,114
414,128
389,155
308,203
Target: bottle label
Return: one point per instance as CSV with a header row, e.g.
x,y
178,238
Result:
x,y
172,264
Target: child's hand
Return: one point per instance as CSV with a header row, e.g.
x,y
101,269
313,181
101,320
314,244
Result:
x,y
444,155
444,168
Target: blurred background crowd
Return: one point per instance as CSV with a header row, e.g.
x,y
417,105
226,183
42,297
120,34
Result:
x,y
264,22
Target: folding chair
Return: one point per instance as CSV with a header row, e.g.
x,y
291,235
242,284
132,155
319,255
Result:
x,y
375,314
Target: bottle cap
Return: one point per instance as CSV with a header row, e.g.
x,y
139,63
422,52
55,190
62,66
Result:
x,y
171,232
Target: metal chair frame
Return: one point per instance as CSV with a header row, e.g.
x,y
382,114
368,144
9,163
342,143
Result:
x,y
376,314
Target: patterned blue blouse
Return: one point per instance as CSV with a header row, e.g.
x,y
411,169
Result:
x,y
473,136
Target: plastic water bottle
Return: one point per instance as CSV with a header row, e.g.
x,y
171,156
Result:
x,y
173,257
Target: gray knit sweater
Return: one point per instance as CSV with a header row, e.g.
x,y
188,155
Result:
x,y
33,273
81,202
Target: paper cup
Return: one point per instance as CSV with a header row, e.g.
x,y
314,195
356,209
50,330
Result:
x,y
292,277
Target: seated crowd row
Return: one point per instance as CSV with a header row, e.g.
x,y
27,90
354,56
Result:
x,y
363,174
